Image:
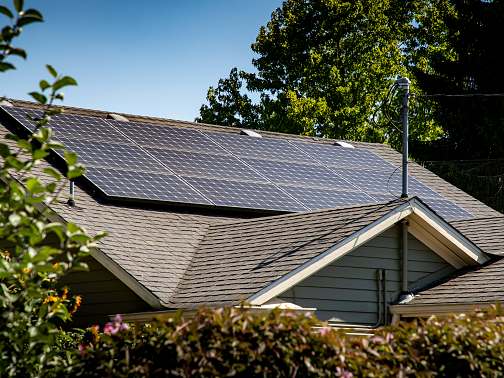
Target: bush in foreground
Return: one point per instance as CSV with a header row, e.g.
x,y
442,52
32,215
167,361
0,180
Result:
x,y
236,342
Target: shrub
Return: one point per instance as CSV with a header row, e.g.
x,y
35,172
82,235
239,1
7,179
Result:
x,y
238,342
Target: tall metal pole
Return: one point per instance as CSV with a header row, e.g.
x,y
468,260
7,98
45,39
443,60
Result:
x,y
404,84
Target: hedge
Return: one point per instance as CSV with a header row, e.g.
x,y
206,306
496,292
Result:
x,y
240,343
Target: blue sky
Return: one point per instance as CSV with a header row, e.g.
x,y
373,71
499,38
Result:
x,y
144,57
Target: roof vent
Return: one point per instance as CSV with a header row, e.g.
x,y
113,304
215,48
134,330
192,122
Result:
x,y
6,104
343,144
251,133
117,117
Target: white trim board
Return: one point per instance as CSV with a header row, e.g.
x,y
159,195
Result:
x,y
439,236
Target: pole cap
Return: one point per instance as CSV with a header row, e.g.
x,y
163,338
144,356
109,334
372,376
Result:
x,y
403,82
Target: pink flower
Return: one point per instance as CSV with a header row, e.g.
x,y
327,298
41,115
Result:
x,y
117,325
82,349
325,330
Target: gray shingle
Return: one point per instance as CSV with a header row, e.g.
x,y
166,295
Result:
x,y
237,259
483,285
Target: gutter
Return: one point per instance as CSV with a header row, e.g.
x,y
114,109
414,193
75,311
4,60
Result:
x,y
417,311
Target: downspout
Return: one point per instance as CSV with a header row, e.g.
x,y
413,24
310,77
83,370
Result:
x,y
404,287
379,283
385,304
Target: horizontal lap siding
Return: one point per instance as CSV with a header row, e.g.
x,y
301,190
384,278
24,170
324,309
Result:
x,y
102,295
346,291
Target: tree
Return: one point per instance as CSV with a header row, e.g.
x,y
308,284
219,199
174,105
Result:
x,y
474,124
35,251
324,68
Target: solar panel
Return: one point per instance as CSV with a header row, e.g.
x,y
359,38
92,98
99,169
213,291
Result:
x,y
244,146
383,182
24,116
178,164
142,185
111,155
288,173
447,209
205,165
245,194
315,198
342,157
166,137
71,126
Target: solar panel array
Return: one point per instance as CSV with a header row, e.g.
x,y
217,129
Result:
x,y
182,165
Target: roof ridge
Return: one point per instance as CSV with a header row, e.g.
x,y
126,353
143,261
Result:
x,y
170,122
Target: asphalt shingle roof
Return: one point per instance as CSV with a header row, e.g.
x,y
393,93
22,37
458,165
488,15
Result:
x,y
187,257
482,285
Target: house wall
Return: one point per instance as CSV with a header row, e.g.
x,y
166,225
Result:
x,y
347,290
102,295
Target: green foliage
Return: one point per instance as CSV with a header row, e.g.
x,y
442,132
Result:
x,y
240,343
471,64
35,252
324,68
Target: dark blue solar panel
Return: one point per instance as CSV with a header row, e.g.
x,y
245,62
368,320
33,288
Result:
x,y
174,164
315,198
342,157
245,194
244,146
382,182
447,209
162,136
24,116
289,173
142,185
205,165
72,126
110,155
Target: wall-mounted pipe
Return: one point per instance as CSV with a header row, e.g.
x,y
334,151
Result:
x,y
404,83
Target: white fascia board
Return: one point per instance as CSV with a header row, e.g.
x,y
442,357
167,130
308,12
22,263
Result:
x,y
342,248
464,248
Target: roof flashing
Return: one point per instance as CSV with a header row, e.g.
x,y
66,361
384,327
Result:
x,y
340,143
117,117
250,133
6,104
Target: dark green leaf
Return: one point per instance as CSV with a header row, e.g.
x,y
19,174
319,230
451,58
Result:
x,y
18,4
18,52
70,158
25,20
39,97
43,84
5,66
6,11
63,82
33,13
51,70
4,150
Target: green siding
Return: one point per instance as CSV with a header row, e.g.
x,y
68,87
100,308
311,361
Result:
x,y
347,291
102,295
